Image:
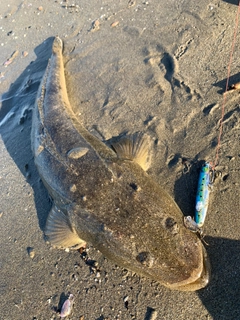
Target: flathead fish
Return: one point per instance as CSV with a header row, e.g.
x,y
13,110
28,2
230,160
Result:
x,y
104,196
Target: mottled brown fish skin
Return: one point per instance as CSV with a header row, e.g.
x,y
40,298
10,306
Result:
x,y
105,199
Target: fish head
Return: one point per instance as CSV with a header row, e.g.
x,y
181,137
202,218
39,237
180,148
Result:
x,y
177,260
146,234
198,277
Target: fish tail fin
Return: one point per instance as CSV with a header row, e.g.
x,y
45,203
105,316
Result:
x,y
57,45
135,148
59,231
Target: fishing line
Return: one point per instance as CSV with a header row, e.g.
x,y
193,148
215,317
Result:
x,y
226,89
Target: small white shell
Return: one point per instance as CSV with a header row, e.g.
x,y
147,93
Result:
x,y
67,307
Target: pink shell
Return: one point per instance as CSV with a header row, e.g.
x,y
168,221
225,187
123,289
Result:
x,y
67,307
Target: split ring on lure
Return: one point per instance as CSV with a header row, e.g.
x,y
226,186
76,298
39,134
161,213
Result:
x,y
193,226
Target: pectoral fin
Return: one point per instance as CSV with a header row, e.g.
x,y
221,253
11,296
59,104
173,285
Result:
x,y
60,232
135,148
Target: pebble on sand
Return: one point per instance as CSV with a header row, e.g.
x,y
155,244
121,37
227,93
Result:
x,y
25,53
95,25
31,252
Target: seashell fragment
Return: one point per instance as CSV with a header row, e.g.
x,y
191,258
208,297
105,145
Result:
x,y
95,25
114,24
67,307
10,60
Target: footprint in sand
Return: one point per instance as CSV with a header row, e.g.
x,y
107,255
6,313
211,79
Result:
x,y
162,69
230,118
163,75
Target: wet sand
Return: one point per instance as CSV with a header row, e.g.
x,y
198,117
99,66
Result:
x,y
161,69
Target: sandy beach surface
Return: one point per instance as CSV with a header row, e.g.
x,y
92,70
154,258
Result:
x,y
159,67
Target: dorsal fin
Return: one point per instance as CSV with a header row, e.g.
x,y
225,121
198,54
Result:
x,y
135,148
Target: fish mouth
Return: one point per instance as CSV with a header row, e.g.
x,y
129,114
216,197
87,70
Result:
x,y
203,279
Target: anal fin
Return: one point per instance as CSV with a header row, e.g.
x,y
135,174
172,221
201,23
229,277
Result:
x,y
135,148
60,232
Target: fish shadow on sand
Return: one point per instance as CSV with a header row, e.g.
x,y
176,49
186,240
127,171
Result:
x,y
221,296
231,1
185,187
16,123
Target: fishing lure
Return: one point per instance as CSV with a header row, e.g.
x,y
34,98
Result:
x,y
202,197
